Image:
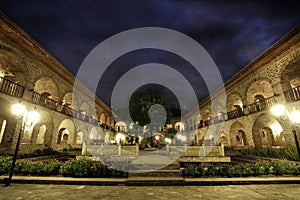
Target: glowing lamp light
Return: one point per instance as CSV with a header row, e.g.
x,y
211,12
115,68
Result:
x,y
18,109
278,110
295,116
33,116
156,137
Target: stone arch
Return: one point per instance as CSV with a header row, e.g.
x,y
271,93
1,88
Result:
x,y
102,118
96,136
66,132
207,114
180,126
238,134
290,76
3,123
267,132
7,122
108,120
41,134
234,101
85,109
121,126
112,123
259,87
47,87
47,120
79,137
70,100
223,138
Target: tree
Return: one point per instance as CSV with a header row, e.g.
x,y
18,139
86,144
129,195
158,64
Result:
x,y
140,104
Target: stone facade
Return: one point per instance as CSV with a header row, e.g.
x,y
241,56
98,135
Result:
x,y
28,73
271,78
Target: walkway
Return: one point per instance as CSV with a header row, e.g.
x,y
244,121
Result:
x,y
65,192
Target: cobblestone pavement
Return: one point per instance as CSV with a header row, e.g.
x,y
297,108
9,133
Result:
x,y
57,192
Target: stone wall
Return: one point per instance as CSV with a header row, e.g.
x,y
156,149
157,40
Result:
x,y
250,95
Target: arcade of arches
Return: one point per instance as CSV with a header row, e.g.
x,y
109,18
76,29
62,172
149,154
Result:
x,y
273,78
30,74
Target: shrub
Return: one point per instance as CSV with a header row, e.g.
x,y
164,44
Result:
x,y
5,164
287,153
245,170
85,167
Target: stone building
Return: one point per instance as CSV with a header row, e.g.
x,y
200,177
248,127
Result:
x,y
30,75
272,78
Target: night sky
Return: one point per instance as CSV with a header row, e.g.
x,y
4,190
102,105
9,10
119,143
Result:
x,y
232,32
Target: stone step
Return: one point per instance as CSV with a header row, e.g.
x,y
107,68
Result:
x,y
156,173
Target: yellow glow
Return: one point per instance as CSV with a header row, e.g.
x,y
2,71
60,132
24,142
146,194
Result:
x,y
120,137
168,140
276,128
295,116
18,109
33,116
278,110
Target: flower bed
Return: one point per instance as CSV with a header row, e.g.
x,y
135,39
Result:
x,y
82,167
244,170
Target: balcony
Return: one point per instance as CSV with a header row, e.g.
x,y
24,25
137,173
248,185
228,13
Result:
x,y
14,89
11,88
292,94
249,109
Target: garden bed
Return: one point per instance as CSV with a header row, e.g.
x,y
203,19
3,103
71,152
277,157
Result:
x,y
82,167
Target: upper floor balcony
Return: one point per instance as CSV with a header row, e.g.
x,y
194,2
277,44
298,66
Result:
x,y
291,95
13,89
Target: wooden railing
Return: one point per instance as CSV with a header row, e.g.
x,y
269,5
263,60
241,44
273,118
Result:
x,y
292,94
235,113
252,108
11,88
261,105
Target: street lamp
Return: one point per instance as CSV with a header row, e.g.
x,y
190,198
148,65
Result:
x,y
28,120
293,117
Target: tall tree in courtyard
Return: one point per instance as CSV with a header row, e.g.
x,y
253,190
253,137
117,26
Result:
x,y
140,104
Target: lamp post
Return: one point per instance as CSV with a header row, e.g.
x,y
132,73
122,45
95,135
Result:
x,y
28,119
293,117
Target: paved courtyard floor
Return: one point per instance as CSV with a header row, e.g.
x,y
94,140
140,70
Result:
x,y
57,192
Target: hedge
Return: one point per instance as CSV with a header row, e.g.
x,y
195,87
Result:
x,y
244,170
83,167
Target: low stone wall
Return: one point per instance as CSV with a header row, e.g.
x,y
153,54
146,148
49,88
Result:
x,y
30,148
202,154
109,150
210,151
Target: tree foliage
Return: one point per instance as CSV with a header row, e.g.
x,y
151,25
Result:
x,y
141,102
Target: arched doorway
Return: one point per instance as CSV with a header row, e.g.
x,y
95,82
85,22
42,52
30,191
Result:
x,y
267,132
63,136
238,135
66,132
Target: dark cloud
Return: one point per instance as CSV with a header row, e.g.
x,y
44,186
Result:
x,y
232,32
